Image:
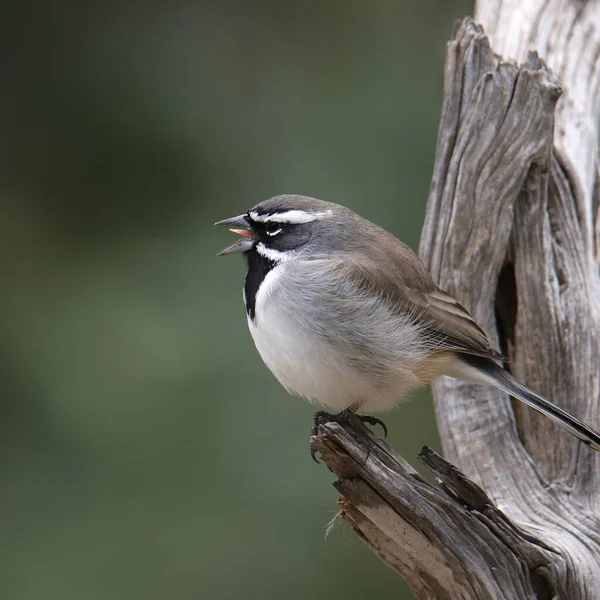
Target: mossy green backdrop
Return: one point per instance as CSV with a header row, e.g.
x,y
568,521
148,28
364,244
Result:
x,y
146,451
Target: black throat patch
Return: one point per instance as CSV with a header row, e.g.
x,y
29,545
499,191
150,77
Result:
x,y
258,267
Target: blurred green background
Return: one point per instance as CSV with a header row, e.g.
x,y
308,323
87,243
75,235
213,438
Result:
x,y
146,452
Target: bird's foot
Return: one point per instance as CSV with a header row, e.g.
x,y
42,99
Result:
x,y
322,417
371,420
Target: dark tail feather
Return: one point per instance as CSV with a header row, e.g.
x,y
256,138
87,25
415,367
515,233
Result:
x,y
505,381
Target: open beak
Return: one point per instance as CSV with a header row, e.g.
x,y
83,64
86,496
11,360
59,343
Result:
x,y
240,226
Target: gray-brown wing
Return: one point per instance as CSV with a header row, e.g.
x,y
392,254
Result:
x,y
451,326
410,290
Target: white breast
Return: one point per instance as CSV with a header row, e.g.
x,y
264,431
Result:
x,y
288,351
305,363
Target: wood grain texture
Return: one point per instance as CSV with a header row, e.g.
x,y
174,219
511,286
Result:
x,y
555,241
526,266
511,231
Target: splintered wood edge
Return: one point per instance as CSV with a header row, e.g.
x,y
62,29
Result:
x,y
448,542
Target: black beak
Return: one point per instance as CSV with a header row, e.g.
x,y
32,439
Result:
x,y
240,226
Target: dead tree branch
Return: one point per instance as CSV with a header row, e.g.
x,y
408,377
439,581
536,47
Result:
x,y
512,231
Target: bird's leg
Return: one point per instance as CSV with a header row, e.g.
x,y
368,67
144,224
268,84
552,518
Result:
x,y
322,416
367,419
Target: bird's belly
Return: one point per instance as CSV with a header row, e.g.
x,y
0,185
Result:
x,y
303,365
308,366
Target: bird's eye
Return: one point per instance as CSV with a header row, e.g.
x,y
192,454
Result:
x,y
272,229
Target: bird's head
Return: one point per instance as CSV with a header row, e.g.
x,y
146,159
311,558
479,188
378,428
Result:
x,y
291,226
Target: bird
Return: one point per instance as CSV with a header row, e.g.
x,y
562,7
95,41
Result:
x,y
346,315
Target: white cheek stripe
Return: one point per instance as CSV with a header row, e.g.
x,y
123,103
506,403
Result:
x,y
294,217
274,255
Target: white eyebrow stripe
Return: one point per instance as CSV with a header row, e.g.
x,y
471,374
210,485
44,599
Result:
x,y
293,217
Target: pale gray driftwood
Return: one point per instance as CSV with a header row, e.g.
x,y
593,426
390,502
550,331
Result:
x,y
511,231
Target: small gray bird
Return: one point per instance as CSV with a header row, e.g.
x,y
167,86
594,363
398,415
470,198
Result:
x,y
346,315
